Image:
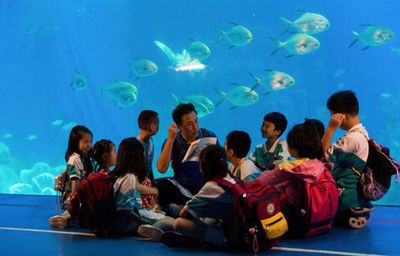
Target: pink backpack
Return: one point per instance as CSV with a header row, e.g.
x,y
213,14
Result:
x,y
318,208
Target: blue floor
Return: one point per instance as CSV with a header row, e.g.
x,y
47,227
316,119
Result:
x,y
24,230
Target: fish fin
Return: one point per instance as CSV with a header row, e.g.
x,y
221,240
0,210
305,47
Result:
x,y
137,78
302,11
280,45
290,56
268,70
258,81
221,35
230,47
365,48
176,97
233,23
233,107
167,51
367,25
236,84
222,95
288,24
356,36
268,92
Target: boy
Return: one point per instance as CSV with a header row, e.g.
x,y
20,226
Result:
x,y
148,124
237,145
348,153
274,151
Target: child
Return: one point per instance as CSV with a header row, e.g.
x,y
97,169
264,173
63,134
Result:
x,y
148,124
79,165
104,153
202,217
273,151
129,168
237,145
350,151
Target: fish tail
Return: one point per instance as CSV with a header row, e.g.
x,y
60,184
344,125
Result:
x,y
222,95
356,36
280,45
176,98
167,51
288,24
257,81
221,36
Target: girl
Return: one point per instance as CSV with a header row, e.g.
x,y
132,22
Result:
x,y
129,167
79,165
104,153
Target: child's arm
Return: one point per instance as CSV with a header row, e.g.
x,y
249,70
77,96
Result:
x,y
145,190
74,186
334,123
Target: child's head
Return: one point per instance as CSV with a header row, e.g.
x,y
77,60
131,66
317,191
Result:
x,y
304,141
104,154
237,144
343,102
130,159
319,125
213,162
274,125
148,121
80,141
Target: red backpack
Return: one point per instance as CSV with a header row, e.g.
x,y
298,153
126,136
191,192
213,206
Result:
x,y
97,204
318,207
258,222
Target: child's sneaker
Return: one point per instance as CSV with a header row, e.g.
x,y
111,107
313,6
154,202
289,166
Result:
x,y
58,221
151,232
176,240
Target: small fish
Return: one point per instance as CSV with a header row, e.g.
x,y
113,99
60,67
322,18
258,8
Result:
x,y
309,23
395,49
239,96
278,80
386,95
199,50
373,36
31,137
298,44
143,68
203,105
124,93
7,136
78,82
339,72
69,126
57,122
237,35
194,66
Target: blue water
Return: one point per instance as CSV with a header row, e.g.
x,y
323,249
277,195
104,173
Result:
x,y
44,43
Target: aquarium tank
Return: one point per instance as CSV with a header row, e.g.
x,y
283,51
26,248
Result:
x,y
99,63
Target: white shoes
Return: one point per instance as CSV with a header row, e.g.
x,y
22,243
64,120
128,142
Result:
x,y
151,232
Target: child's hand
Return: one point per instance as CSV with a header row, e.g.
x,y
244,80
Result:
x,y
336,120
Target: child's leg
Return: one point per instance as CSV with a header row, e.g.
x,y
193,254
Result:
x,y
197,230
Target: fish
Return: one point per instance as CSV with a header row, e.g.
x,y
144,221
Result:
x,y
121,92
239,96
57,122
143,68
199,50
69,126
309,23
79,82
298,44
203,105
373,36
339,72
278,80
7,136
194,66
386,95
237,35
31,137
395,49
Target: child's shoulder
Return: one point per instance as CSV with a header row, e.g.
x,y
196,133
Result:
x,y
74,158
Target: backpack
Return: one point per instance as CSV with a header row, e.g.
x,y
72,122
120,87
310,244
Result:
x,y
318,207
375,180
97,211
258,222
